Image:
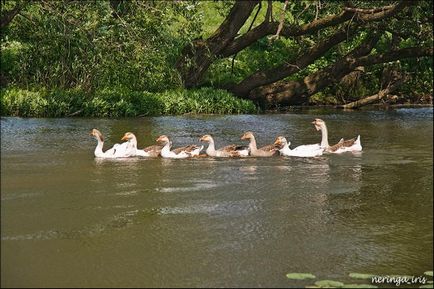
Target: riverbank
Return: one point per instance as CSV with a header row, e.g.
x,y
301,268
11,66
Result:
x,y
120,103
127,103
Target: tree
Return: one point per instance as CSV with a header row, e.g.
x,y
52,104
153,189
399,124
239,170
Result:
x,y
337,25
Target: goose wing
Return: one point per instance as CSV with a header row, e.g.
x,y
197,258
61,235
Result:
x,y
233,147
268,148
186,149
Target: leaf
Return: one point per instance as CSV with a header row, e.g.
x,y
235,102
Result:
x,y
329,284
428,273
361,276
300,276
359,286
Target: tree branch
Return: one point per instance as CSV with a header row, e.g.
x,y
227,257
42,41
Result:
x,y
272,75
10,15
267,28
370,99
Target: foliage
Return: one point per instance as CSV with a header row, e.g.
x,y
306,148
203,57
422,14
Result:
x,y
119,103
88,45
60,57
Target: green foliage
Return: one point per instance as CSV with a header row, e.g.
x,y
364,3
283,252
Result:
x,y
122,60
119,103
87,45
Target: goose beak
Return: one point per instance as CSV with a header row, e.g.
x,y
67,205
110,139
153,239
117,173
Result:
x,y
124,137
201,139
313,122
277,142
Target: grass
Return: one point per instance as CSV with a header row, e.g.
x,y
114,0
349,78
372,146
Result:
x,y
119,103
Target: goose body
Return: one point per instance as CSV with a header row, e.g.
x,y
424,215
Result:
x,y
227,151
265,151
178,153
284,149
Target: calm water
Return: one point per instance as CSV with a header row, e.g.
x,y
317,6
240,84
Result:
x,y
70,220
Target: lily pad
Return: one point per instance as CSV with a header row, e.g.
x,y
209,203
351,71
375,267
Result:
x,y
329,284
361,276
428,273
300,276
426,286
359,286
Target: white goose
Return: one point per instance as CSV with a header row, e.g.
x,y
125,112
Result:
x,y
284,149
351,145
131,147
178,153
227,151
117,151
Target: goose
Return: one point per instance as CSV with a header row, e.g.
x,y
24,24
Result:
x,y
153,150
284,149
150,151
227,151
117,151
265,151
178,153
351,145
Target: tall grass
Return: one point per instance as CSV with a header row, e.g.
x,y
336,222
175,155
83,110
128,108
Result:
x,y
119,103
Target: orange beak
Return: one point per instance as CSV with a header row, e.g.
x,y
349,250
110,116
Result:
x,y
124,137
277,142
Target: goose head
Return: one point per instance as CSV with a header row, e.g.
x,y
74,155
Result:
x,y
206,138
318,123
97,134
248,136
280,142
128,136
163,139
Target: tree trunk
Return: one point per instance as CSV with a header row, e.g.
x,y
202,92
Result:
x,y
197,57
298,92
261,78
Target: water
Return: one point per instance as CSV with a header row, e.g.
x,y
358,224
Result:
x,y
70,220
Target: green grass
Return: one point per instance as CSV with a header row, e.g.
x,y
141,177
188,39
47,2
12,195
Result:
x,y
120,103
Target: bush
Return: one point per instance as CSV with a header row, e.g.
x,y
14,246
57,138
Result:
x,y
119,103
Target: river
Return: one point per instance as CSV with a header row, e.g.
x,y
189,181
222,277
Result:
x,y
70,220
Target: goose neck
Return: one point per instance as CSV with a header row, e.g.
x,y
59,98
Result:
x,y
252,144
324,137
211,148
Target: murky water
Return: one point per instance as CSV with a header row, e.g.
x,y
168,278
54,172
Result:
x,y
70,220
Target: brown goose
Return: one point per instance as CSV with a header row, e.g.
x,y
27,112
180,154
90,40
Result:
x,y
265,151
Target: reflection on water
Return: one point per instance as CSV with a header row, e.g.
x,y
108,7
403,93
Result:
x,y
71,220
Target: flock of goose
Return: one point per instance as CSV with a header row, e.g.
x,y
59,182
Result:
x,y
280,146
